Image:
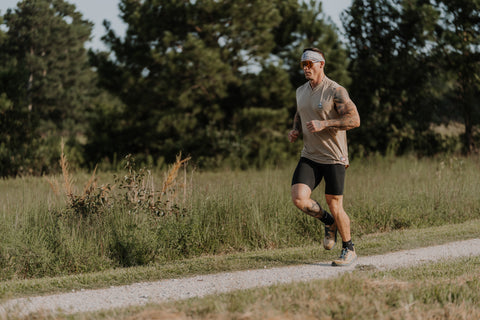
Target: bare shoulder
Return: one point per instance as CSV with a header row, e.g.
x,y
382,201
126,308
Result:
x,y
343,103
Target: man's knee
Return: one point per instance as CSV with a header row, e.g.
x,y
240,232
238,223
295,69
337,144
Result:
x,y
299,202
301,196
335,207
335,204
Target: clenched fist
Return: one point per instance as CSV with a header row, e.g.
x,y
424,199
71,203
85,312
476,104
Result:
x,y
293,135
315,126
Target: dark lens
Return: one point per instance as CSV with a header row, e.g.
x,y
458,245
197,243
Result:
x,y
307,64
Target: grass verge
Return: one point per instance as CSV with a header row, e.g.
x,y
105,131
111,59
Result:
x,y
444,290
450,291
367,245
47,232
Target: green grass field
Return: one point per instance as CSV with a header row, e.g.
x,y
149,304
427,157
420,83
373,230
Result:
x,y
231,220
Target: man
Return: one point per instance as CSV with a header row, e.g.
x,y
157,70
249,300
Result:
x,y
324,113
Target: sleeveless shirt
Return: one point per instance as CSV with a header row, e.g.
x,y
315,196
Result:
x,y
328,146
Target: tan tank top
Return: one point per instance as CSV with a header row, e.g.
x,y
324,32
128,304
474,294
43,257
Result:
x,y
330,145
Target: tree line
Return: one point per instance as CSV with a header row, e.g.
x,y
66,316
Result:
x,y
216,80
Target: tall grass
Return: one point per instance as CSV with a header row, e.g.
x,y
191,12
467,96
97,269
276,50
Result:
x,y
43,233
397,193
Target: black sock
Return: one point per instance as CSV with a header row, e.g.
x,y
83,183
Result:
x,y
349,245
327,218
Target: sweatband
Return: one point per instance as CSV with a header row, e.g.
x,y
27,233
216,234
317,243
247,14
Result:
x,y
312,56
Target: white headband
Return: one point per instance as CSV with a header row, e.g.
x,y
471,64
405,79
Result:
x,y
312,56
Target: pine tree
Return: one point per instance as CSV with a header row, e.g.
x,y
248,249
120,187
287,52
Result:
x,y
214,79
457,52
46,75
392,72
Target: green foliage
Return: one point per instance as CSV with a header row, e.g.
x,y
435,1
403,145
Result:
x,y
216,80
225,59
458,54
132,241
44,72
137,190
136,193
225,212
10,143
391,72
304,25
413,64
106,127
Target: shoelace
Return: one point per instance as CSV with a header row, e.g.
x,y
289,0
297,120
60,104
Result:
x,y
344,253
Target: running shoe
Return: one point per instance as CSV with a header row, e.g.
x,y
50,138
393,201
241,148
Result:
x,y
347,257
330,237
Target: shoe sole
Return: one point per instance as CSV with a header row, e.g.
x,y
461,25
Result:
x,y
344,264
327,248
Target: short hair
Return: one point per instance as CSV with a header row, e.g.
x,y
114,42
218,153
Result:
x,y
316,50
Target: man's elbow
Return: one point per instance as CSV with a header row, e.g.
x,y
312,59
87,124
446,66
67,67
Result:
x,y
356,118
356,121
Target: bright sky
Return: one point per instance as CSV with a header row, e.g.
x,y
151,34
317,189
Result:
x,y
98,10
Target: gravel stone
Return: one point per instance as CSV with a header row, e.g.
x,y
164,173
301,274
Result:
x,y
198,286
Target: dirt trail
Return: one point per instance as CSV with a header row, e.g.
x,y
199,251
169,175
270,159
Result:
x,y
176,289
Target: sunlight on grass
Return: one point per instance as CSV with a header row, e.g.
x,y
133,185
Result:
x,y
443,290
231,212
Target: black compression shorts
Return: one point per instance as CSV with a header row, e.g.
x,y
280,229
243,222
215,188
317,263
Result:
x,y
311,173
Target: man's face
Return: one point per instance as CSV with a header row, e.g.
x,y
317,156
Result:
x,y
312,69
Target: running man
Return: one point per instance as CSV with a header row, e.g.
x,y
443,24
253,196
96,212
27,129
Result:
x,y
324,113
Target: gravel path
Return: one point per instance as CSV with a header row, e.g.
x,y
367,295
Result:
x,y
176,289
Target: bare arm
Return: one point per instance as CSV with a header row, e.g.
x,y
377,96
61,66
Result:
x,y
346,109
349,117
297,128
297,123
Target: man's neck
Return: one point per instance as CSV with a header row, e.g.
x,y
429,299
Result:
x,y
315,82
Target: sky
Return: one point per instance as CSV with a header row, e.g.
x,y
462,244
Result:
x,y
98,10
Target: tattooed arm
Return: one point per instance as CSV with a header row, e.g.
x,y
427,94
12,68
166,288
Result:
x,y
346,109
349,117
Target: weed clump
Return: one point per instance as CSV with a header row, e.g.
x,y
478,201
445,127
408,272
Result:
x,y
135,191
132,221
138,191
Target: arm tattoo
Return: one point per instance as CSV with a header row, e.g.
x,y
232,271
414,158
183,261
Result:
x,y
297,123
346,109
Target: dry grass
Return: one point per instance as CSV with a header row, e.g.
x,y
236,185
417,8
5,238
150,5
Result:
x,y
171,186
138,185
89,189
158,315
67,178
170,177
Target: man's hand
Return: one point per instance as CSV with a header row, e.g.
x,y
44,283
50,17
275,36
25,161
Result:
x,y
315,126
293,135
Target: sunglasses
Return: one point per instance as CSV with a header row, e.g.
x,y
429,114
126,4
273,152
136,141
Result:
x,y
307,63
